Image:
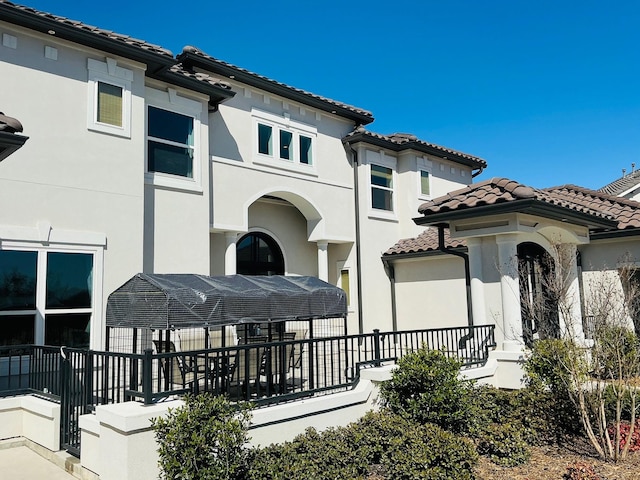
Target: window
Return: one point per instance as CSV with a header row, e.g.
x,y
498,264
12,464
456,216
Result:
x,y
259,254
170,147
109,97
45,296
282,142
381,188
345,284
109,109
425,183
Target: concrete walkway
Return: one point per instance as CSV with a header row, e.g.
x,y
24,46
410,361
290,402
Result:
x,y
22,463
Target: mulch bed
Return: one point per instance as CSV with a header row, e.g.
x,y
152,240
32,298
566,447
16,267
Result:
x,y
551,462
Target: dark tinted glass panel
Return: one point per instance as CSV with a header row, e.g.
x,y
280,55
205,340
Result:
x,y
17,329
286,139
18,280
69,280
71,330
170,126
169,159
305,150
243,249
264,139
259,254
381,176
381,199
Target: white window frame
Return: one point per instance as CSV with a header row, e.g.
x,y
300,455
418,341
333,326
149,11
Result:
x,y
390,163
172,102
340,267
278,124
425,165
110,73
96,340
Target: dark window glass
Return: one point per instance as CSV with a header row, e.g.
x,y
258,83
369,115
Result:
x,y
259,254
264,139
170,159
18,280
286,139
381,176
381,199
170,126
69,280
17,329
69,329
305,150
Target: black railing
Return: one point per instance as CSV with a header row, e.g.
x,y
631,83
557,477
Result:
x,y
257,371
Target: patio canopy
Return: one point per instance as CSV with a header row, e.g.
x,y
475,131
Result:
x,y
189,300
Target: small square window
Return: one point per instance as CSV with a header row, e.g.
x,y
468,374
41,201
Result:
x,y
109,109
345,284
425,186
265,142
305,150
286,142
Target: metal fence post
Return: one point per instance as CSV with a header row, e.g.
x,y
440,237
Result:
x,y
376,347
147,363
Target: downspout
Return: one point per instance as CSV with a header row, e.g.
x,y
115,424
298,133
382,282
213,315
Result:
x,y
356,195
391,273
467,276
480,170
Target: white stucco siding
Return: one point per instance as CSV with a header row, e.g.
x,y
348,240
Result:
x,y
431,293
236,187
67,179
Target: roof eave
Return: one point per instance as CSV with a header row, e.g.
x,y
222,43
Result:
x,y
155,61
216,94
397,147
422,253
529,206
611,234
191,59
9,143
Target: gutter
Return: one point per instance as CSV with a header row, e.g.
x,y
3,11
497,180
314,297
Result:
x,y
467,276
356,196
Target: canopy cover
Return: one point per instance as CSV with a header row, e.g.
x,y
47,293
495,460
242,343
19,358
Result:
x,y
189,300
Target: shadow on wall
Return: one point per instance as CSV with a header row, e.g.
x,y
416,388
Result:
x,y
221,141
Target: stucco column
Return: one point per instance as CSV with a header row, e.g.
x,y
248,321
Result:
x,y
510,291
570,312
323,261
478,307
230,253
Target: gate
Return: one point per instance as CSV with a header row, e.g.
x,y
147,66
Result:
x,y
76,395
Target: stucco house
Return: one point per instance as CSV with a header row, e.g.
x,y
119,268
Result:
x,y
142,161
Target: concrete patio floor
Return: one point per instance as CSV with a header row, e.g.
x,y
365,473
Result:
x,y
19,462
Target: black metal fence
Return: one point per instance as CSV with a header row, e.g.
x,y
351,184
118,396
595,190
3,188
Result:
x,y
259,371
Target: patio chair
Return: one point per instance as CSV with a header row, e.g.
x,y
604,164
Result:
x,y
248,365
279,362
176,369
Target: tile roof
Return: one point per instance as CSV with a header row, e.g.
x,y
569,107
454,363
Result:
x,y
405,141
199,76
125,39
427,241
502,190
621,185
193,51
624,212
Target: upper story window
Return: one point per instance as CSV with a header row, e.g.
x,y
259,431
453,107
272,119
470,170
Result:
x,y
170,147
173,143
381,187
425,184
109,97
284,143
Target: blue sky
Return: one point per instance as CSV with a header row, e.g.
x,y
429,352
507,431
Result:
x,y
548,92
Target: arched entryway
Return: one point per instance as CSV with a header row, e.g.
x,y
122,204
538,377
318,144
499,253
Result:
x,y
538,295
259,254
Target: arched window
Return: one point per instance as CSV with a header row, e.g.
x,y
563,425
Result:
x,y
259,254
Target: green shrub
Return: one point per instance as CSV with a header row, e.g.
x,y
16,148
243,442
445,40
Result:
x,y
328,455
616,351
548,365
504,445
426,387
427,452
204,439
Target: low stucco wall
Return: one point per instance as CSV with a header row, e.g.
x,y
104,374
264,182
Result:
x,y
123,431
31,417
